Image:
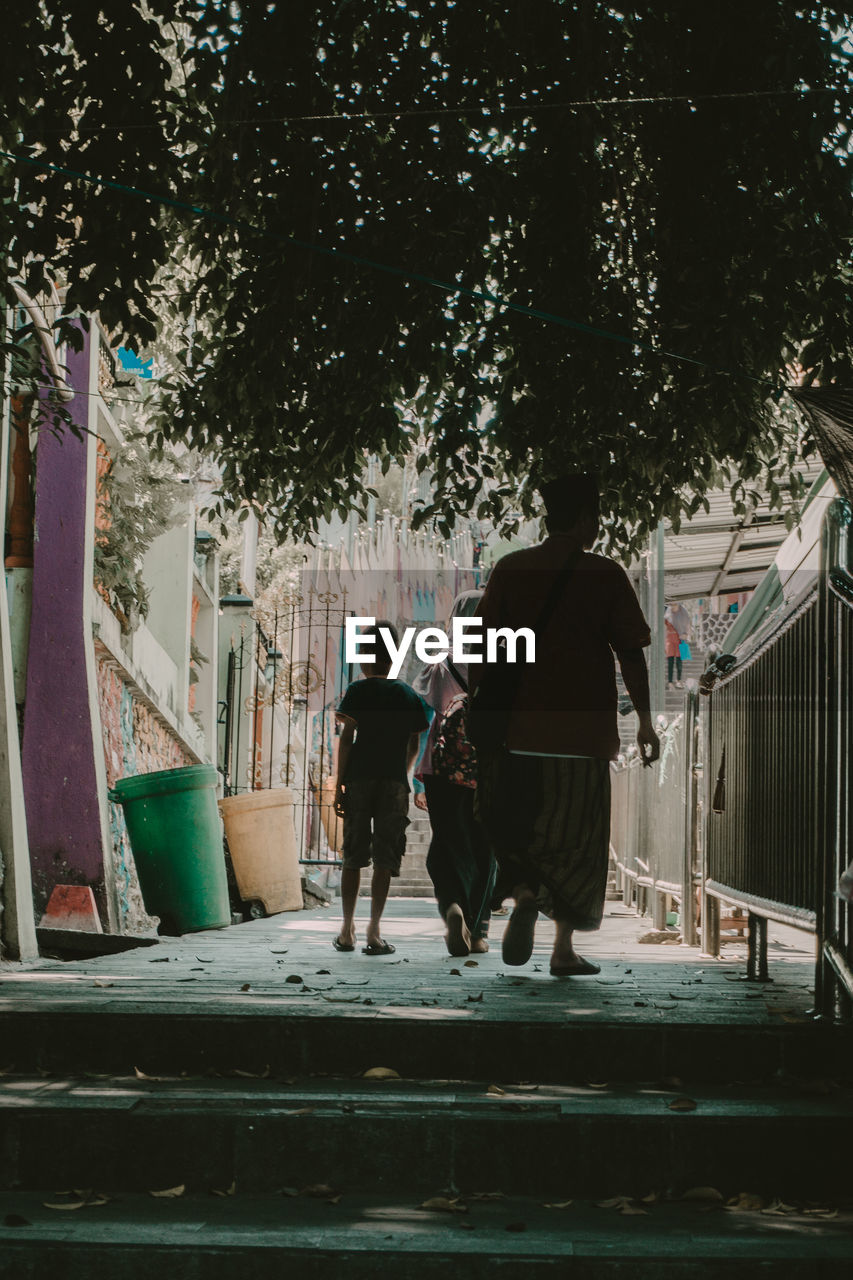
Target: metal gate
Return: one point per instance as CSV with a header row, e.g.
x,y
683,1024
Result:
x,y
284,675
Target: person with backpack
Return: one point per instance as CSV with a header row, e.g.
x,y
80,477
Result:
x,y
460,861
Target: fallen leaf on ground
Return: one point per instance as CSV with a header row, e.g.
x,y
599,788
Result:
x,y
380,1073
201,960
674,995
323,973
159,960
293,977
822,1213
103,984
229,1191
471,964
301,1111
170,1193
476,999
441,1204
252,1075
559,1204
247,986
623,1204
703,1195
683,1104
278,953
64,1204
456,973
140,1075
745,1202
597,1084
651,1198
496,1089
779,1209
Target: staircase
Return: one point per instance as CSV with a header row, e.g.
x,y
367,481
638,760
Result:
x,y
413,881
500,1149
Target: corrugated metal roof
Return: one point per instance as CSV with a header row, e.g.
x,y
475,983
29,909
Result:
x,y
717,551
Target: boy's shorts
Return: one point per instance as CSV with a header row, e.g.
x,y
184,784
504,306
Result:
x,y
376,814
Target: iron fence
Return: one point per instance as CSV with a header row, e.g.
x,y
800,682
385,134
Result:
x,y
778,741
285,673
654,824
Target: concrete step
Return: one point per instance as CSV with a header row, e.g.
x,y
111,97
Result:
x,y
362,1237
171,1038
125,1135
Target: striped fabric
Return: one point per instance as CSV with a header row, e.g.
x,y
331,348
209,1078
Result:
x,y
549,821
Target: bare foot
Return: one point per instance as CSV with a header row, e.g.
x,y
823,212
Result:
x,y
346,937
457,938
479,946
517,942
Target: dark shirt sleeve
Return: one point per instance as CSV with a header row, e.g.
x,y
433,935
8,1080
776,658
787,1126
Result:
x,y
349,705
626,626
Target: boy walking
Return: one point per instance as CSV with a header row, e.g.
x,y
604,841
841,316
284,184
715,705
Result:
x,y
382,721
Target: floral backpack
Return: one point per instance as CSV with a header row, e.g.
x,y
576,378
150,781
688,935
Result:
x,y
453,756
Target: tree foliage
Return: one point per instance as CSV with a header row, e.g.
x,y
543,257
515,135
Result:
x,y
495,146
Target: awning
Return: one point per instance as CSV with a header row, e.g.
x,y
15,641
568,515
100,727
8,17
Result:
x,y
717,551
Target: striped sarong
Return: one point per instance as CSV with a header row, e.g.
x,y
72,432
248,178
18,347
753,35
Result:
x,y
549,821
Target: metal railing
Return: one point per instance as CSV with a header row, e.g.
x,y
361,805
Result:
x,y
654,824
778,742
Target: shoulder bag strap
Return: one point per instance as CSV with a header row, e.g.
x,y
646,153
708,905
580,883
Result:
x,y
557,588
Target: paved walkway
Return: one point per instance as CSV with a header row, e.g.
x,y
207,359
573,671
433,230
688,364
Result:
x,y
287,963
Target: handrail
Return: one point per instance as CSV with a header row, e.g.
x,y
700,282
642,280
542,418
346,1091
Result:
x,y
835,562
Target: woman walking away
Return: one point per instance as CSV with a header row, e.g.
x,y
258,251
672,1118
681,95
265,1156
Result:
x,y
460,861
673,652
677,624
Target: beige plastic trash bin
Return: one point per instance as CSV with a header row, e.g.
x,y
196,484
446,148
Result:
x,y
262,842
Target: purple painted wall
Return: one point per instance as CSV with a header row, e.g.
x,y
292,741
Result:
x,y
60,787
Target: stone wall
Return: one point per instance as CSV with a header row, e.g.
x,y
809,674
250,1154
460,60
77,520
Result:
x,y
135,741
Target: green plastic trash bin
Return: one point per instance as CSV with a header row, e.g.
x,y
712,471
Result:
x,y
176,836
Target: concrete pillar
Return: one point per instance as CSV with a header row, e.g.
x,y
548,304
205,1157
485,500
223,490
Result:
x,y
60,770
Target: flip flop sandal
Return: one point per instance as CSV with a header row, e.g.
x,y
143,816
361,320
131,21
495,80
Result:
x,y
517,943
383,949
574,970
342,946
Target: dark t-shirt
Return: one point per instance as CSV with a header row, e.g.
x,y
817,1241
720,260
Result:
x,y
566,703
386,713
